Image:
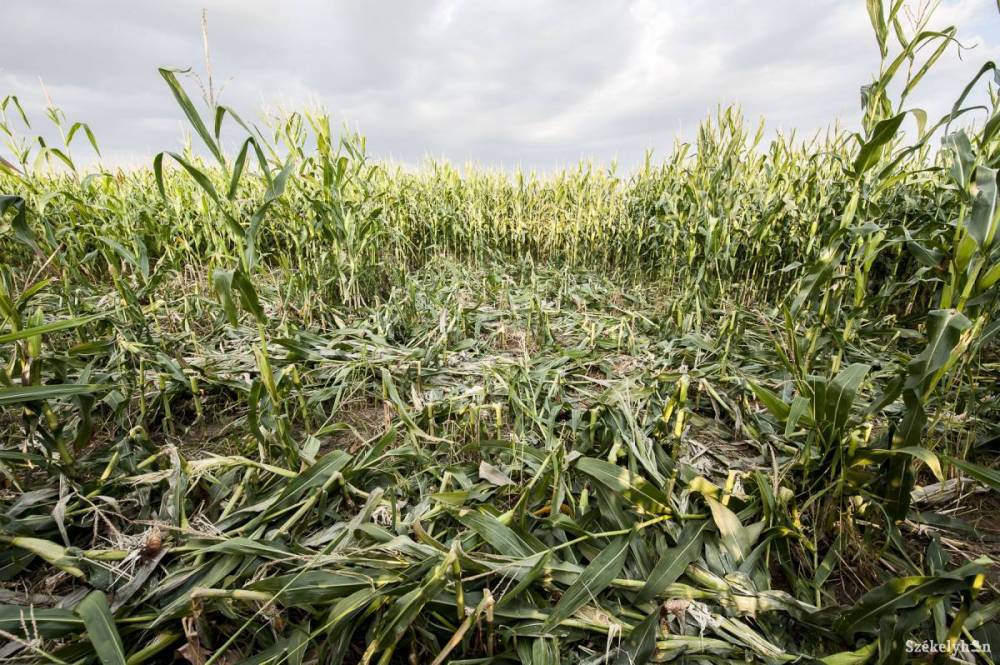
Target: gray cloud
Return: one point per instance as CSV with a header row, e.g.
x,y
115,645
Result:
x,y
505,84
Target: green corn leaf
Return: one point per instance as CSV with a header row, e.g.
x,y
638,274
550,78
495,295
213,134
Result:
x,y
20,394
637,490
100,625
842,392
778,408
944,329
923,454
44,329
815,279
962,155
313,586
500,537
898,478
282,651
231,285
596,577
876,14
161,641
77,126
984,474
405,609
982,218
798,412
902,593
20,224
883,132
249,547
170,76
347,607
158,175
198,175
53,553
641,642
734,536
238,167
673,561
274,191
50,622
48,152
856,657
529,578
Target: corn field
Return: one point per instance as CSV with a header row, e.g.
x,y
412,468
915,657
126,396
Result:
x,y
275,401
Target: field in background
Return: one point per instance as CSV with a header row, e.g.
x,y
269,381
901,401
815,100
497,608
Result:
x,y
284,403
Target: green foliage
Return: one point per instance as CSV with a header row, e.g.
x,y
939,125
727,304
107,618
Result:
x,y
296,405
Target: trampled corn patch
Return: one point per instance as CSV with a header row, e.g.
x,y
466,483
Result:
x,y
282,403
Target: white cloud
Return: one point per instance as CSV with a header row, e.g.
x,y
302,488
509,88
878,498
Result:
x,y
520,82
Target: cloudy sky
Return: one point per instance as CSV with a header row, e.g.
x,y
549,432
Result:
x,y
522,82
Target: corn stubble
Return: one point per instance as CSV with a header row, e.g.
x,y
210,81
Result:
x,y
287,404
